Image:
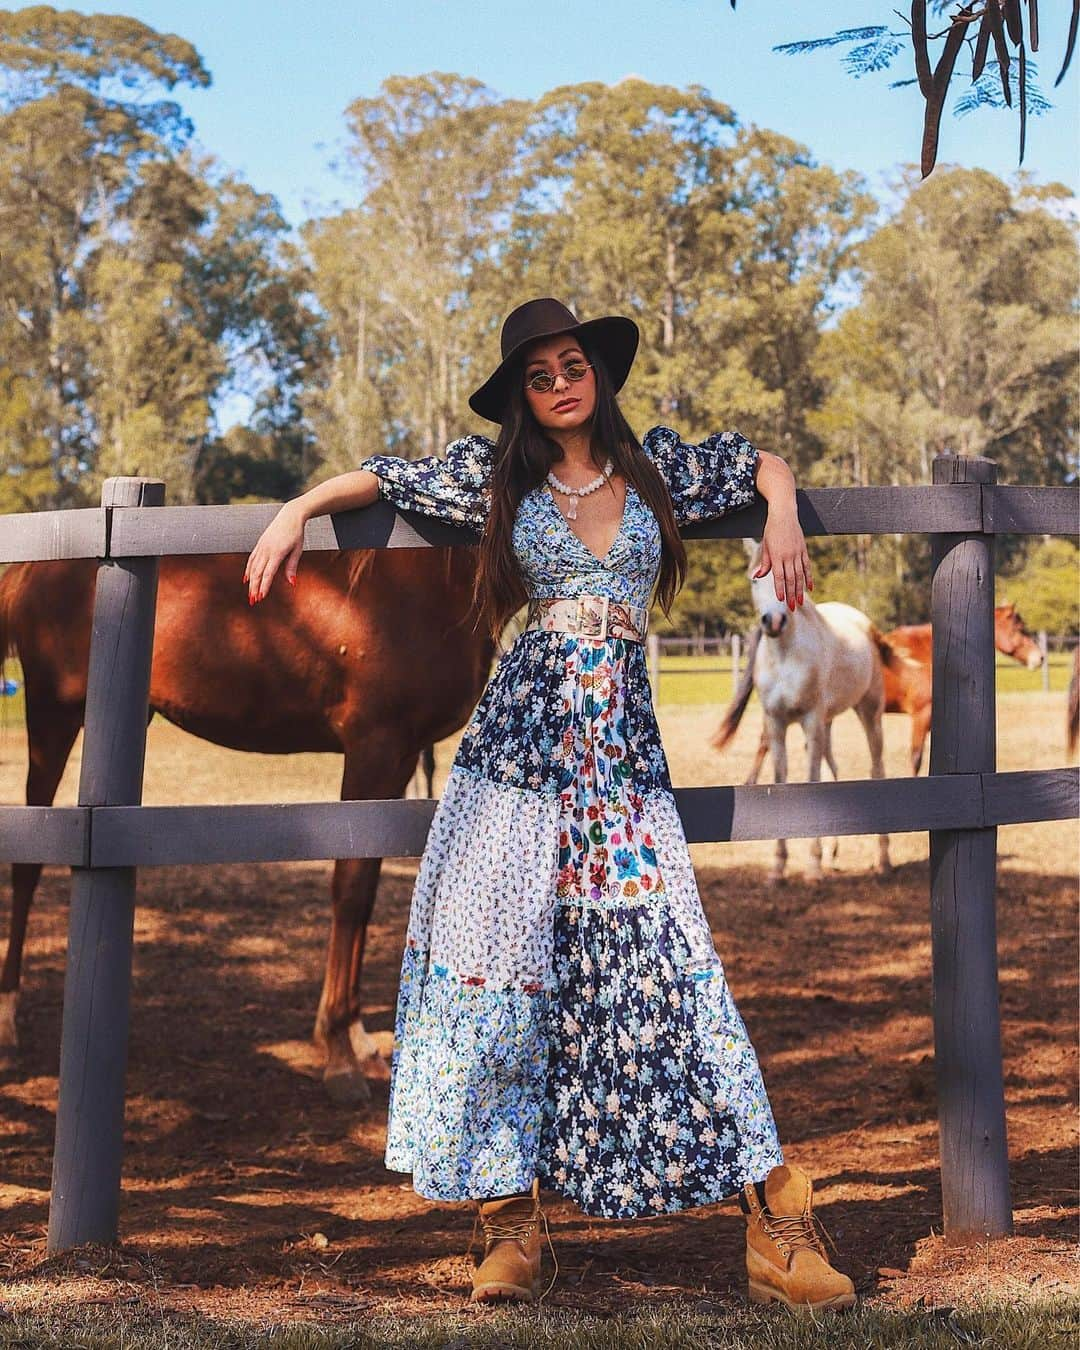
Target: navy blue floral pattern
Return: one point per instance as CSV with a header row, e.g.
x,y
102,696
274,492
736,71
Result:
x,y
563,1011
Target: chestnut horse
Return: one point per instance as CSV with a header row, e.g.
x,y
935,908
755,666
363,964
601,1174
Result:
x,y
908,689
343,663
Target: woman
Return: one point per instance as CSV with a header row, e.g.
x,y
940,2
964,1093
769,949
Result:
x,y
563,1017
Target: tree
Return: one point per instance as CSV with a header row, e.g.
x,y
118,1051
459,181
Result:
x,y
136,279
964,339
873,47
963,342
399,277
1044,588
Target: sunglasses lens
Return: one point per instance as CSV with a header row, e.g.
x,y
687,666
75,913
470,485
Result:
x,y
542,382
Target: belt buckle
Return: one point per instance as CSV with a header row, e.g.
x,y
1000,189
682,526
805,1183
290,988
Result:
x,y
583,614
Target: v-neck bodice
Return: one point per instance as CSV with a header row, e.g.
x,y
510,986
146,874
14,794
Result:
x,y
705,481
566,521
555,561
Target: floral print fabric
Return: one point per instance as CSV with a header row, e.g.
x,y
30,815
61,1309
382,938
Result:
x,y
563,1012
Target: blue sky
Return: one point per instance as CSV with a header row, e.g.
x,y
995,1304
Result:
x,y
284,71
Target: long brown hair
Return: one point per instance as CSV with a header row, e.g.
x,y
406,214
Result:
x,y
524,453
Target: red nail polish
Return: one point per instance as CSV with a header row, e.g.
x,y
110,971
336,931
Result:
x,y
292,581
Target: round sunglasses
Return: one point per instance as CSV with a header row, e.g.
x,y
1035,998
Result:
x,y
542,382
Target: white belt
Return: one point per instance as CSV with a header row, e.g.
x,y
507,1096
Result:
x,y
589,616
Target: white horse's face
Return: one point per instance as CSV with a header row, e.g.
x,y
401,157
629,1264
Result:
x,y
772,614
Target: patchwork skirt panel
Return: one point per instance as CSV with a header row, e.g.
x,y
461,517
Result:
x,y
563,1012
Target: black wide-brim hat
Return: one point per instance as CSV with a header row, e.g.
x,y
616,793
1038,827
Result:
x,y
614,338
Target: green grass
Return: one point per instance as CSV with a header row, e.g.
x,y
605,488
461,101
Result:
x,y
1038,1326
684,679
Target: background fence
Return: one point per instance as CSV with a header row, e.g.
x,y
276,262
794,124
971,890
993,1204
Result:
x,y
726,655
109,834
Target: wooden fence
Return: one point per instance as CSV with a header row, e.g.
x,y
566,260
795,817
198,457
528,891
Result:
x,y
109,834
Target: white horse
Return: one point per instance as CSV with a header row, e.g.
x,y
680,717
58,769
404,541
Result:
x,y
817,661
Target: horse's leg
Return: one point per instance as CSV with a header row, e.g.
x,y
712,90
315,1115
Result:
x,y
920,729
813,725
51,732
868,710
351,1055
777,734
759,756
379,768
827,750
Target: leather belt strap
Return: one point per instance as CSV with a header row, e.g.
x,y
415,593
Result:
x,y
589,616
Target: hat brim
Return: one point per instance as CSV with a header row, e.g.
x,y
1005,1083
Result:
x,y
614,337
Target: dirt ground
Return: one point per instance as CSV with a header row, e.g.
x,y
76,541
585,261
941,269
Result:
x,y
248,1195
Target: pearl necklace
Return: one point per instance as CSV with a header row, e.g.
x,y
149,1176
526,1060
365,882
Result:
x,y
575,493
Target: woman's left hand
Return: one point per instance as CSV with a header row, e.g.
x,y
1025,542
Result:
x,y
783,548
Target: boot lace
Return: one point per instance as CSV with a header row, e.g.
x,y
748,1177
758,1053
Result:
x,y
517,1227
798,1231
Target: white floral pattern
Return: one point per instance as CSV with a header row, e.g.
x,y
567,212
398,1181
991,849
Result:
x,y
563,1012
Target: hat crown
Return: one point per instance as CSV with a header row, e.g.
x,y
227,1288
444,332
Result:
x,y
612,340
535,318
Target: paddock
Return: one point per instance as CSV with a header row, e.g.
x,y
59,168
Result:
x,y
235,1162
221,1151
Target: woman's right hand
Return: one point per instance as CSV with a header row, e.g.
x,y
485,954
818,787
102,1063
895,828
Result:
x,y
281,542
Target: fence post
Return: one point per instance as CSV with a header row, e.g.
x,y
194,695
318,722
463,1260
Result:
x,y
85,1199
967,1027
652,658
1044,647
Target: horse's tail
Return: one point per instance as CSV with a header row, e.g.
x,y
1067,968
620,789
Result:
x,y
11,586
12,583
1074,703
741,697
892,655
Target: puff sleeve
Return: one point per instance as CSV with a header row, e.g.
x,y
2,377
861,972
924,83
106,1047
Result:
x,y
706,480
454,487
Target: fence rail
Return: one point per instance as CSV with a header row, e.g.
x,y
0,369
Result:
x,y
108,835
155,836
124,531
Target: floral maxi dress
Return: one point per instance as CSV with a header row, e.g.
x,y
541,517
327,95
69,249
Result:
x,y
562,1011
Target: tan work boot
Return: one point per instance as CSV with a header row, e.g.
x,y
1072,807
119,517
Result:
x,y
510,1268
785,1260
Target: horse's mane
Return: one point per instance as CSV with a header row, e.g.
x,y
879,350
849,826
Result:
x,y
357,563
360,561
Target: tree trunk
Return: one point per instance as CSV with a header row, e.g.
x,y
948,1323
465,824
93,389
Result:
x,y
669,401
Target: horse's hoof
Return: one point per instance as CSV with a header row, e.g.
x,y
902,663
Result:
x,y
9,1036
347,1087
375,1067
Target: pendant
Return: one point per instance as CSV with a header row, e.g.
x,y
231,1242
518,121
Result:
x,y
571,510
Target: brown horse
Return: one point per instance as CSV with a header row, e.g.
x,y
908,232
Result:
x,y
907,682
1072,708
342,662
908,690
